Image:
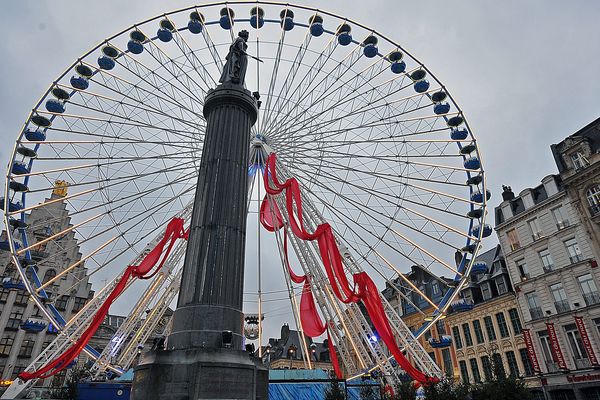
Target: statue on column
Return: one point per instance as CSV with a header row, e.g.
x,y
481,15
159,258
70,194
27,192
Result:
x,y
237,61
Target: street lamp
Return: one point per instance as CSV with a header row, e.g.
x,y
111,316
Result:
x,y
292,354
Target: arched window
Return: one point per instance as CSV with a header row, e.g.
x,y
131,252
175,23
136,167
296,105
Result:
x,y
49,275
593,197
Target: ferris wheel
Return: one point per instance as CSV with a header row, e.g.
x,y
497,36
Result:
x,y
381,152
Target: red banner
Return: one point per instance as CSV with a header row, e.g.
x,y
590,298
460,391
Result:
x,y
586,340
557,354
531,351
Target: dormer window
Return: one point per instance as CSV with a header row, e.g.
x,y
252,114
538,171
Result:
x,y
579,161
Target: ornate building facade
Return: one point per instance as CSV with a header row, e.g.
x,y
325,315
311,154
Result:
x,y
23,330
550,238
492,330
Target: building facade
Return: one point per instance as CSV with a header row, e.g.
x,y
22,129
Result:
x,y
23,330
550,256
413,308
491,331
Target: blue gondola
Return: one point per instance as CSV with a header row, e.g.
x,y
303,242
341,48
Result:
x,y
479,267
135,47
344,38
459,134
398,67
33,326
370,49
195,26
164,35
316,25
287,19
41,121
19,168
18,186
441,108
106,63
61,94
455,121
257,17
444,341
421,86
472,163
55,106
35,135
227,16
461,306
12,205
487,230
79,82
477,197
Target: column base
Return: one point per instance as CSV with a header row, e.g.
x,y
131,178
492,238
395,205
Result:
x,y
199,374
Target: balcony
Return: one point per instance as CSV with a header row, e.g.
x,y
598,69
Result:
x,y
591,298
536,313
562,306
582,363
536,236
548,268
576,258
595,210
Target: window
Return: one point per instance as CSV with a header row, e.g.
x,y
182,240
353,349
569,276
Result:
x,y
464,373
534,226
513,367
560,297
467,333
534,305
26,348
478,331
427,334
497,360
560,217
475,370
545,343
487,367
17,370
79,303
49,275
575,342
457,340
502,325
441,327
501,285
593,197
5,346
432,356
22,298
573,250
515,321
486,292
489,327
526,362
14,320
523,269
513,239
61,303
547,261
4,295
579,161
589,289
448,367
435,288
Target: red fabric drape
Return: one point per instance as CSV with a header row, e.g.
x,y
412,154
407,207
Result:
x,y
144,270
333,357
363,289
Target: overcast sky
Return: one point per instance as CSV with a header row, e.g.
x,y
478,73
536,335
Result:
x,y
526,73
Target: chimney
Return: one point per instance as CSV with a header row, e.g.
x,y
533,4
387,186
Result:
x,y
507,193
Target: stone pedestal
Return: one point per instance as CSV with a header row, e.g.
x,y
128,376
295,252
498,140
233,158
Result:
x,y
197,364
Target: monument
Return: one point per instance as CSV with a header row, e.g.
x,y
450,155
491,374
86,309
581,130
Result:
x,y
204,356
